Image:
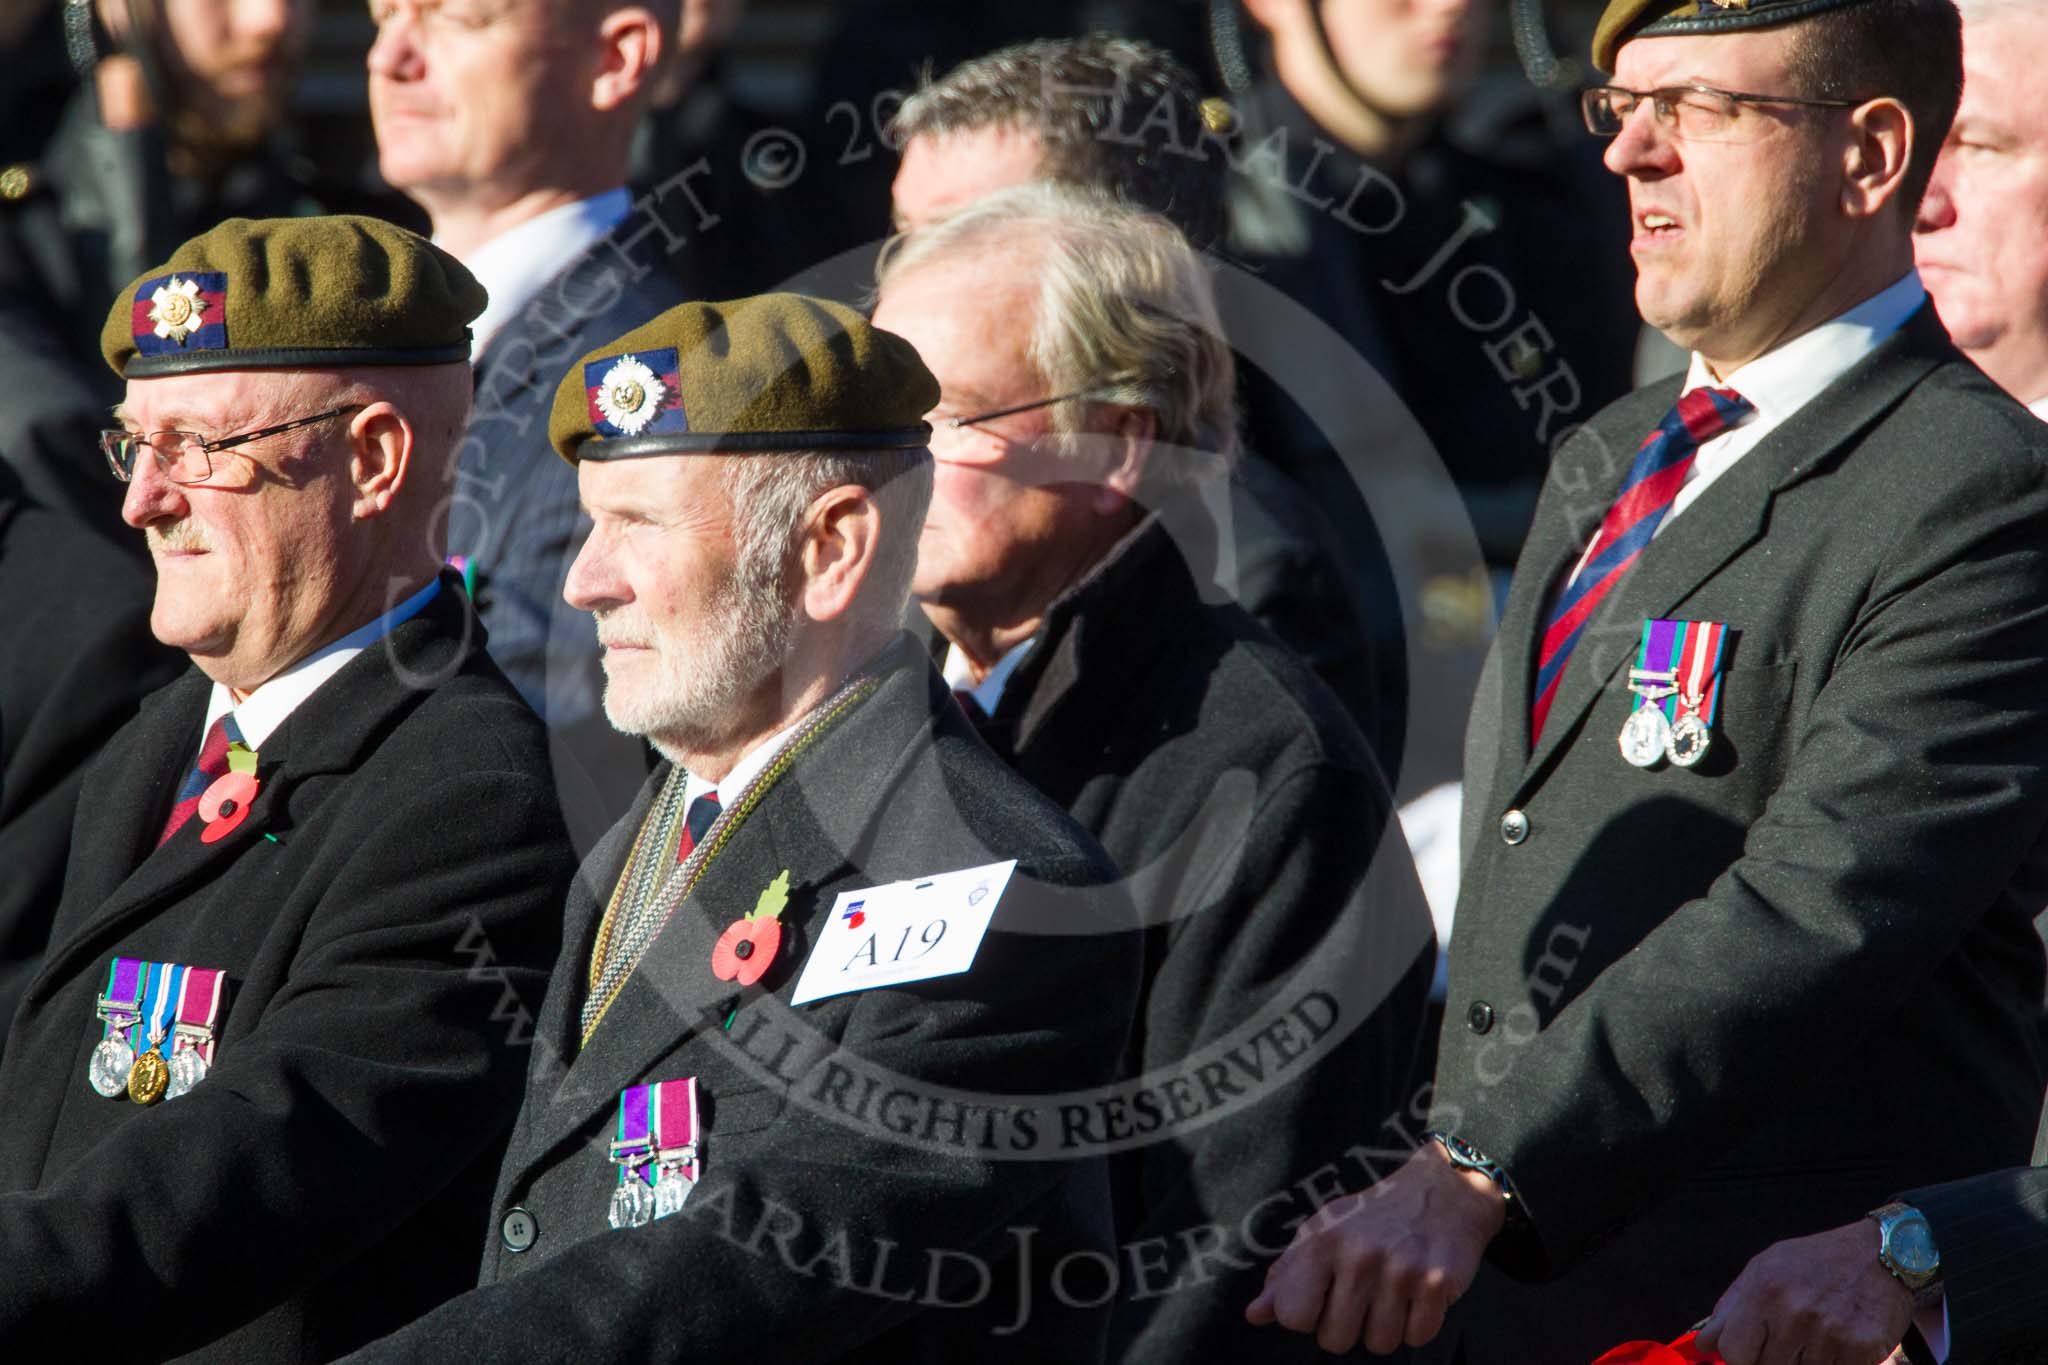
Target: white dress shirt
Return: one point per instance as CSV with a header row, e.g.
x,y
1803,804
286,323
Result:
x,y
513,265
2039,407
750,764
1781,382
988,693
260,713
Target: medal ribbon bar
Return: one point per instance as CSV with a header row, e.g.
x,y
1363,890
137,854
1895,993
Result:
x,y
199,1004
675,1125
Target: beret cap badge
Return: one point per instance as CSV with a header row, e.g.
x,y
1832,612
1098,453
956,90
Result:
x,y
177,309
630,394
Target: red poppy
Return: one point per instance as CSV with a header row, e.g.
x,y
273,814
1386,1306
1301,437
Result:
x,y
225,805
746,948
1679,1352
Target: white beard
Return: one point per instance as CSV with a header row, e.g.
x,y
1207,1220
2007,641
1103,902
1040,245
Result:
x,y
700,683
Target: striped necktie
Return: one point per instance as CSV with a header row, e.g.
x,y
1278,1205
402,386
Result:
x,y
211,767
697,821
1654,479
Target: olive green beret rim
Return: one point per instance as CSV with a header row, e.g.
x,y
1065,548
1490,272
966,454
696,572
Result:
x,y
752,443
1713,18
290,358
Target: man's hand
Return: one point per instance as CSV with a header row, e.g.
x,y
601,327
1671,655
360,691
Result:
x,y
1384,1266
1821,1300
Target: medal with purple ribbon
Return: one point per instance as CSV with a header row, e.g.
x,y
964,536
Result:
x,y
655,1151
151,1035
1646,733
633,1153
118,1010
199,1002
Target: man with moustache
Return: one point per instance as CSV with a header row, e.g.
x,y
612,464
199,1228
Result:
x,y
702,1170
1982,243
257,1089
1773,960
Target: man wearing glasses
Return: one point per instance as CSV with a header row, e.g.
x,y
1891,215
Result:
x,y
1085,395
1758,775
258,1088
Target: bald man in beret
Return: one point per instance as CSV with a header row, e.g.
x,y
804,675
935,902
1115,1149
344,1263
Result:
x,y
1757,777
794,1091
256,1092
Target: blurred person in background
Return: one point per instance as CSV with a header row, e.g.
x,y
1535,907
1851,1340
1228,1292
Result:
x,y
1982,244
1074,111
511,125
177,123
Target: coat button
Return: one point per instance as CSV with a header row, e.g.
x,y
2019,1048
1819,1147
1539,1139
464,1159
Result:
x,y
1480,1017
1514,827
519,1230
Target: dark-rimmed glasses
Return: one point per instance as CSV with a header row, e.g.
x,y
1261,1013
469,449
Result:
x,y
960,423
1695,113
190,458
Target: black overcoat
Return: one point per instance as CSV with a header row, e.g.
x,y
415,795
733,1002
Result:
x,y
1288,947
1696,1011
850,1209
384,915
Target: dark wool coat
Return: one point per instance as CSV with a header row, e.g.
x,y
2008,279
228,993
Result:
x,y
851,1209
384,915
1287,945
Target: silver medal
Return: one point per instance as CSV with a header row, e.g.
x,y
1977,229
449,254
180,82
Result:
x,y
671,1188
632,1204
1688,741
1645,736
188,1069
108,1070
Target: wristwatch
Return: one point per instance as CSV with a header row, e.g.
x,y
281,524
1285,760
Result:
x,y
1465,1157
1906,1247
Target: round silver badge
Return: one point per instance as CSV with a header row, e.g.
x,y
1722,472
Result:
x,y
108,1070
1645,736
1688,740
632,1204
188,1069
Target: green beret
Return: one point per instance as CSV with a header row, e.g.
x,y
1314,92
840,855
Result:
x,y
774,372
294,293
1625,19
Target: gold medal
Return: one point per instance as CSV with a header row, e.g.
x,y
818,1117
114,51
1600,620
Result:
x,y
148,1078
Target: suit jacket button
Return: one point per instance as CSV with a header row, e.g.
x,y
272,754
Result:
x,y
1514,827
519,1230
1480,1017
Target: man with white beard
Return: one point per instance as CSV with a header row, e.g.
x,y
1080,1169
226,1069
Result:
x,y
816,989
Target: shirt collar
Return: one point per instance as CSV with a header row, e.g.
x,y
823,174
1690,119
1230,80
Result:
x,y
746,770
2039,407
1782,381
513,265
262,711
988,693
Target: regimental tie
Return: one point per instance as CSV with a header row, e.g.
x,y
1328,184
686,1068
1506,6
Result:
x,y
211,767
1654,478
703,813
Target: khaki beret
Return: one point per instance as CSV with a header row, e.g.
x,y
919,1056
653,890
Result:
x,y
778,372
1625,19
294,293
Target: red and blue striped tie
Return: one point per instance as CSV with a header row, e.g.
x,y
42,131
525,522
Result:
x,y
211,767
1653,482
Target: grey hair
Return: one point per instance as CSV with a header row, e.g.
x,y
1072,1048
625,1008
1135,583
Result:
x,y
1126,312
771,492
